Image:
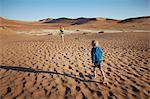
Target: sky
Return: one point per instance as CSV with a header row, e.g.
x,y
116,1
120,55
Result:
x,y
33,10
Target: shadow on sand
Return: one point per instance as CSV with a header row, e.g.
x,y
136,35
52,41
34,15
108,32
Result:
x,y
31,70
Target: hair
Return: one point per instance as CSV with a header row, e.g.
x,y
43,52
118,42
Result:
x,y
95,43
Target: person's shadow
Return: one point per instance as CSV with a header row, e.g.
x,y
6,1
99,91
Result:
x,y
31,70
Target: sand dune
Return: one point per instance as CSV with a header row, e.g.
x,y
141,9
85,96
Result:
x,y
145,19
42,67
26,25
139,23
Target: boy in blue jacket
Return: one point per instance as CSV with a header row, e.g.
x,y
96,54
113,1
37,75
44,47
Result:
x,y
97,56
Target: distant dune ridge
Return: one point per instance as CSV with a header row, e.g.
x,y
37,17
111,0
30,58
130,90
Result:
x,y
83,20
138,23
145,19
77,21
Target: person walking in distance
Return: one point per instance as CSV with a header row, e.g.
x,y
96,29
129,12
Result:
x,y
62,33
97,56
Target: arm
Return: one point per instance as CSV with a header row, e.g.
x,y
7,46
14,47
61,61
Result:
x,y
101,53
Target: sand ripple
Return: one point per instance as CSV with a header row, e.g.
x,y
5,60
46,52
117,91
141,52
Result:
x,y
42,67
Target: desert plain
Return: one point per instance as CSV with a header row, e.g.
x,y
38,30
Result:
x,y
43,67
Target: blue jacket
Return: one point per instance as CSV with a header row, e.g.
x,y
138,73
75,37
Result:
x,y
96,55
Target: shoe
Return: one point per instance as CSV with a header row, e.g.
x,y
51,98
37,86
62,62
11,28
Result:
x,y
95,74
105,82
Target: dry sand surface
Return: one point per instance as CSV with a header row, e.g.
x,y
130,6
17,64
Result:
x,y
41,67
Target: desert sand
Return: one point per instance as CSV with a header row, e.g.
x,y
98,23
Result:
x,y
35,64
42,67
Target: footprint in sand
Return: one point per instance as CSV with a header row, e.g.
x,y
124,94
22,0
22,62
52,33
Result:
x,y
78,88
67,92
81,75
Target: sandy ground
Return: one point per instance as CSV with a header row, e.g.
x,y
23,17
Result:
x,y
42,32
42,67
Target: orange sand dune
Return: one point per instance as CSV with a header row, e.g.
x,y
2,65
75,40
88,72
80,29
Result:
x,y
141,23
27,26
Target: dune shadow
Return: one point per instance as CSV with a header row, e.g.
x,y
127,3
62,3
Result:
x,y
31,70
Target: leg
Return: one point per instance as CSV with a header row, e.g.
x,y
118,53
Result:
x,y
103,75
95,72
62,37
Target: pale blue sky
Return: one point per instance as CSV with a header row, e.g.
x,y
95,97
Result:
x,y
39,9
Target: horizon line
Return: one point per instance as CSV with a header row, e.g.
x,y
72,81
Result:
x,y
73,18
